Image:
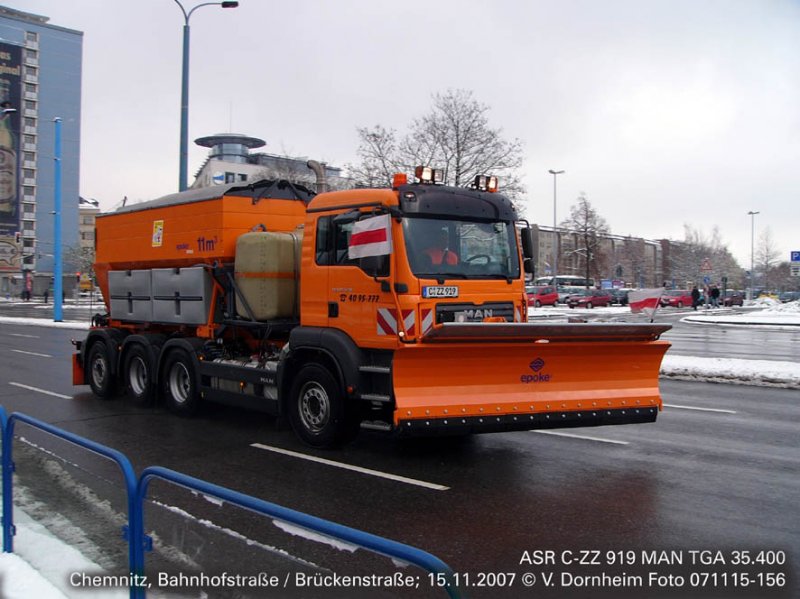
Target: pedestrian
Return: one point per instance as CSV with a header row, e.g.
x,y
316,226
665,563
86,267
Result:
x,y
714,296
46,295
695,297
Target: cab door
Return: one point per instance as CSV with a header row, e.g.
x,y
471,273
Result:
x,y
358,297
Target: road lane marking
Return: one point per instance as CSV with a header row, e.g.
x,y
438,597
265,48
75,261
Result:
x,y
46,392
670,405
378,473
21,335
584,437
31,353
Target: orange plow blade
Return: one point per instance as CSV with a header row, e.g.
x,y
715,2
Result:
x,y
516,384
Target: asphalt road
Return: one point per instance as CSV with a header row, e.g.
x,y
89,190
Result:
x,y
718,472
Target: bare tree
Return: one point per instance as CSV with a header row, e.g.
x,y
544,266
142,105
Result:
x,y
455,136
767,257
379,157
586,229
696,251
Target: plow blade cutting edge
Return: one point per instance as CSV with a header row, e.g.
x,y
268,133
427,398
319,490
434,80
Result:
x,y
532,377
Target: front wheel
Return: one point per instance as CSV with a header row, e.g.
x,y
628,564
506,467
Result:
x,y
680,304
537,304
317,410
178,384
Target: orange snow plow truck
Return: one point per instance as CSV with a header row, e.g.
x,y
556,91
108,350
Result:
x,y
400,309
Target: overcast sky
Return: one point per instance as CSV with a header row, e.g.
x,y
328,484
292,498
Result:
x,y
663,112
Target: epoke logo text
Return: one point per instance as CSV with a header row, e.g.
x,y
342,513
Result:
x,y
538,376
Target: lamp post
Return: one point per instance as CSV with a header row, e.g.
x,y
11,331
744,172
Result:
x,y
57,261
752,252
555,231
184,147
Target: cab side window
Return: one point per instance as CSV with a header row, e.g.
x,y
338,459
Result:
x,y
332,248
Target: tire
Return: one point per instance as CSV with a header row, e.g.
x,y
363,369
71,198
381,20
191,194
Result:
x,y
537,304
317,410
178,386
680,304
101,380
137,372
589,305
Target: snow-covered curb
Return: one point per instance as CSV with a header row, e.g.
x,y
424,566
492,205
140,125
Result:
x,y
42,322
763,373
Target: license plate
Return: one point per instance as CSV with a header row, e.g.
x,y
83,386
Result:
x,y
440,291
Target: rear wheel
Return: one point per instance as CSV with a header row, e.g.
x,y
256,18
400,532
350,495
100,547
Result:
x,y
317,410
178,384
137,373
589,305
100,378
680,304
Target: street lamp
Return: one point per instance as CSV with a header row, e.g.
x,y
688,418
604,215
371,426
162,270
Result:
x,y
752,252
555,232
184,157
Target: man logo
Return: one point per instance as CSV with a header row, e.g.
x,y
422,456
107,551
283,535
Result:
x,y
537,364
539,377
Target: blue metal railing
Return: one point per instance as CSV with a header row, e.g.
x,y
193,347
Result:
x,y
136,491
133,534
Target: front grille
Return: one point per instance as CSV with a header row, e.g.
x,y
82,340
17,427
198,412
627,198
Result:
x,y
474,312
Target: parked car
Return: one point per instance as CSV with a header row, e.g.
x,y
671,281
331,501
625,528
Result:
x,y
590,298
677,298
732,298
789,296
565,292
541,295
620,296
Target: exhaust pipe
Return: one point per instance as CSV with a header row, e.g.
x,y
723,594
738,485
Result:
x,y
319,172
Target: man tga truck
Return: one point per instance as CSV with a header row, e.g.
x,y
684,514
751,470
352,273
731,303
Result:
x,y
400,309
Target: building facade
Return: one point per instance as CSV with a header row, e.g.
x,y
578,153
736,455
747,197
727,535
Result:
x,y
231,161
40,80
631,261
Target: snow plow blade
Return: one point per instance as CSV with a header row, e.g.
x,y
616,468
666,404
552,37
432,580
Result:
x,y
535,376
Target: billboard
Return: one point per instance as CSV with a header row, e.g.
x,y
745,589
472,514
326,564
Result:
x,y
10,120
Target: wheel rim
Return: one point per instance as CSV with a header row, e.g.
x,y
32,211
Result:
x,y
179,383
99,370
315,407
137,376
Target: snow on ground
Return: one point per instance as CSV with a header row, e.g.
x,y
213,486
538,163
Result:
x,y
19,578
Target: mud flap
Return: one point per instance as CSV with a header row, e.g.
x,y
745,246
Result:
x,y
514,386
78,375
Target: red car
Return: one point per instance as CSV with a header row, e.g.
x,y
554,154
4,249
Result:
x,y
542,295
676,298
590,298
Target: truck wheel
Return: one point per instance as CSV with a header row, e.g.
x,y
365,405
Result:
x,y
317,409
178,384
100,378
137,371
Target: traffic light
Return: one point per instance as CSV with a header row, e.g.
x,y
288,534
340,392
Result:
x,y
77,277
16,237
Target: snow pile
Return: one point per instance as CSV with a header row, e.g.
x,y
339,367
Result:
x,y
763,302
730,370
21,581
787,308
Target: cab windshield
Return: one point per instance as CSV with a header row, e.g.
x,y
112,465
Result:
x,y
461,249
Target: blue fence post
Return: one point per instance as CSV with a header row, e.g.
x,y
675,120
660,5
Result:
x,y
8,473
405,553
134,532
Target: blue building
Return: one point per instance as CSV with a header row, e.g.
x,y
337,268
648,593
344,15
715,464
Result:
x,y
40,79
